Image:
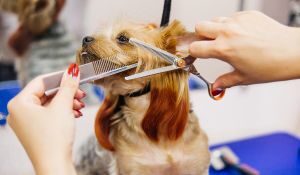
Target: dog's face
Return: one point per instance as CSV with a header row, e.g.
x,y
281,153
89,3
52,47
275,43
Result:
x,y
112,44
168,90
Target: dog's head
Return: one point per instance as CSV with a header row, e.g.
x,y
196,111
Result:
x,y
167,114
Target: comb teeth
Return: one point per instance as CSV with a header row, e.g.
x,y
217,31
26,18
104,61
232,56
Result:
x,y
103,65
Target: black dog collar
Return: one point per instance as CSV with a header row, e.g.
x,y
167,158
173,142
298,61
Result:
x,y
141,92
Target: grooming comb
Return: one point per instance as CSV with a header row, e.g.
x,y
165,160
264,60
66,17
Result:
x,y
88,72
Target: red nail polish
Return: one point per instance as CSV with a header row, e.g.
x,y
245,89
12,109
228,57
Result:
x,y
70,69
75,71
217,92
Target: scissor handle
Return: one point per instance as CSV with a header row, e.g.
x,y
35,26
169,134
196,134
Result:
x,y
217,94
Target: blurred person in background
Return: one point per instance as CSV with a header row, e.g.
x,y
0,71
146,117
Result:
x,y
41,41
7,72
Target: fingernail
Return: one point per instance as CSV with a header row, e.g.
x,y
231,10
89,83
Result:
x,y
80,114
70,69
82,104
84,94
76,71
217,91
73,70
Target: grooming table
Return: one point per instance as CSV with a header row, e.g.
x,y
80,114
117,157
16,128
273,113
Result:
x,y
275,154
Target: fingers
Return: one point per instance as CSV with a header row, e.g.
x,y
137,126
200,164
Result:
x,y
68,88
228,80
208,29
202,49
221,19
217,46
77,113
34,90
80,94
78,105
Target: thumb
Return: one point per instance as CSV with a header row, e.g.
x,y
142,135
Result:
x,y
68,87
228,80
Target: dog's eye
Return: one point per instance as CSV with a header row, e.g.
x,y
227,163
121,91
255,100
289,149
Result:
x,y
122,39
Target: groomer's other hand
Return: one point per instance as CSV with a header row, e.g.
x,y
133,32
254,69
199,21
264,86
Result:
x,y
259,48
46,126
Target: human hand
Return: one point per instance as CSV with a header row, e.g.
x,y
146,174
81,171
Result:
x,y
46,126
259,48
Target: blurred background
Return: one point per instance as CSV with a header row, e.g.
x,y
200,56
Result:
x,y
244,112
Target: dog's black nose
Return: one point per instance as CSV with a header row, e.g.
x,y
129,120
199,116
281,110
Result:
x,y
87,40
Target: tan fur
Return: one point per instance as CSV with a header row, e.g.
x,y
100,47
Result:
x,y
157,134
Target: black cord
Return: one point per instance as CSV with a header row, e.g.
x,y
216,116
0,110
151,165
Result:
x,y
242,5
166,13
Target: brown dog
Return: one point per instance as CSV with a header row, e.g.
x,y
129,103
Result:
x,y
146,125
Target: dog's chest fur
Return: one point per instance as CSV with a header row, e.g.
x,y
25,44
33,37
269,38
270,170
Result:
x,y
136,154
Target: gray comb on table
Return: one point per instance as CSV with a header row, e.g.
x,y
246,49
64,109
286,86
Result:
x,y
88,72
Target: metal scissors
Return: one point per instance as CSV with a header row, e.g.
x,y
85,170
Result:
x,y
176,63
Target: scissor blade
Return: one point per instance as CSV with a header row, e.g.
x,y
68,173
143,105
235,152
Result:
x,y
152,72
156,51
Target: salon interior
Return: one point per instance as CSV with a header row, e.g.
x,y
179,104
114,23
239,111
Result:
x,y
258,125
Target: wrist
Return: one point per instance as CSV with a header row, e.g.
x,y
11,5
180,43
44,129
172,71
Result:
x,y
296,32
55,165
292,53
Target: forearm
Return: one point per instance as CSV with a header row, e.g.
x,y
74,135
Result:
x,y
48,162
50,167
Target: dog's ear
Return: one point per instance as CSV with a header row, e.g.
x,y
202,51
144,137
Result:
x,y
167,114
103,120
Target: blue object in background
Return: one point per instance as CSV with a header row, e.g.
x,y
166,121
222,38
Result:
x,y
274,154
8,90
99,92
196,83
